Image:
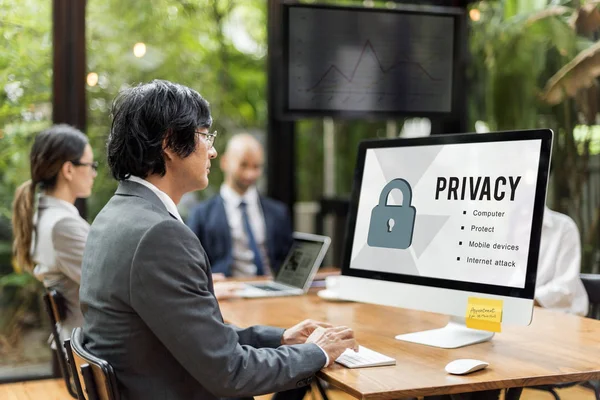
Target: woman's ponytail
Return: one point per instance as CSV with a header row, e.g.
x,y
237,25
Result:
x,y
22,224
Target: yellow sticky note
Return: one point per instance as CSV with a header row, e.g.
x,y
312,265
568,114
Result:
x,y
484,314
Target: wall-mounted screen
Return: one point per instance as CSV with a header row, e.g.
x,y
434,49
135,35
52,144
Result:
x,y
342,60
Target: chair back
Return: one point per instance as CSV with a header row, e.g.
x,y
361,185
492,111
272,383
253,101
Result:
x,y
56,310
592,287
96,377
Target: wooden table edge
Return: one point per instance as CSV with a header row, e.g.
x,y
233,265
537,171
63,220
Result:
x,y
463,387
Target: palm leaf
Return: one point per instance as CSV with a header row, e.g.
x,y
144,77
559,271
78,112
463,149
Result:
x,y
552,11
579,73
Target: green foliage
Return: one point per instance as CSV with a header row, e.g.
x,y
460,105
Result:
x,y
518,46
15,280
193,43
14,161
19,303
510,46
349,135
216,47
309,152
25,90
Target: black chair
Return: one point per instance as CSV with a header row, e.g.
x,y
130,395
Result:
x,y
591,282
56,309
96,378
592,287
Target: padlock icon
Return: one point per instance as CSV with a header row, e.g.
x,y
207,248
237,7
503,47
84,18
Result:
x,y
392,226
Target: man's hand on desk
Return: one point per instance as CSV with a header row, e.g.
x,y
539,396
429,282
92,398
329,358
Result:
x,y
298,333
334,341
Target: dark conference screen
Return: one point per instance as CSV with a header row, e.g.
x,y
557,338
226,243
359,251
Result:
x,y
361,60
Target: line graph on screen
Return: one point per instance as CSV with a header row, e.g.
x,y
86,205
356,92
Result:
x,y
385,62
362,79
334,80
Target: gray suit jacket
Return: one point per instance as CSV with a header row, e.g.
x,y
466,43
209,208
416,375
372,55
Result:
x,y
149,310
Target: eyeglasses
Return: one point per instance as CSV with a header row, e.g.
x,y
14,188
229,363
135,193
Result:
x,y
94,164
209,138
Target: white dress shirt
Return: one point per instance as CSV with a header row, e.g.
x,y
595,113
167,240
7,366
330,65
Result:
x,y
166,200
243,257
558,285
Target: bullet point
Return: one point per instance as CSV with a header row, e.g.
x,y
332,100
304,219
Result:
x,y
462,228
460,243
457,258
464,212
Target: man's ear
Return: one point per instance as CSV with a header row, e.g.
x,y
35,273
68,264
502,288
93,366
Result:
x,y
223,162
67,171
169,154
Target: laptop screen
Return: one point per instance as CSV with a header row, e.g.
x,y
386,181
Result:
x,y
300,262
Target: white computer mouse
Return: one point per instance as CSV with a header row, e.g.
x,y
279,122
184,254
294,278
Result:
x,y
465,366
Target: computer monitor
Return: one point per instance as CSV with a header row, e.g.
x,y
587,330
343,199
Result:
x,y
438,220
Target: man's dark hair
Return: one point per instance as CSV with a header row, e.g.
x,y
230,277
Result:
x,y
145,117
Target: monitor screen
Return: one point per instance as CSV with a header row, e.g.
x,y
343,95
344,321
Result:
x,y
460,211
342,60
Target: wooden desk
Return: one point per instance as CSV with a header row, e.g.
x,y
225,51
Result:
x,y
555,348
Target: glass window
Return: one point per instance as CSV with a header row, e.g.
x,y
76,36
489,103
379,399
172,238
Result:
x,y
25,108
217,48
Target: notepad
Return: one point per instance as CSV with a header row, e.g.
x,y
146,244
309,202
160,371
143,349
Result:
x,y
364,358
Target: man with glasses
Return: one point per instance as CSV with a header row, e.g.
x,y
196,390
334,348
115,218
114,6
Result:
x,y
244,234
146,287
209,138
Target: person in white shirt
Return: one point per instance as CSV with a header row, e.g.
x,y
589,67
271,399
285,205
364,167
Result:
x,y
50,237
244,234
558,285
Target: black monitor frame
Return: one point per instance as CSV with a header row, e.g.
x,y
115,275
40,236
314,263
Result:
x,y
458,90
545,135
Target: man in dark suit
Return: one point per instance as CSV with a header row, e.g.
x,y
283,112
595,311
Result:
x,y
244,234
146,287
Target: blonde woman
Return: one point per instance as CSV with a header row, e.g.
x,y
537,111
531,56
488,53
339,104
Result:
x,y
50,236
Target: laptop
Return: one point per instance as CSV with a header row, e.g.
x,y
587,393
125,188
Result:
x,y
297,271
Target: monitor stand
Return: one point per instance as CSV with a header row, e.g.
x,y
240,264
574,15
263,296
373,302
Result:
x,y
455,334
